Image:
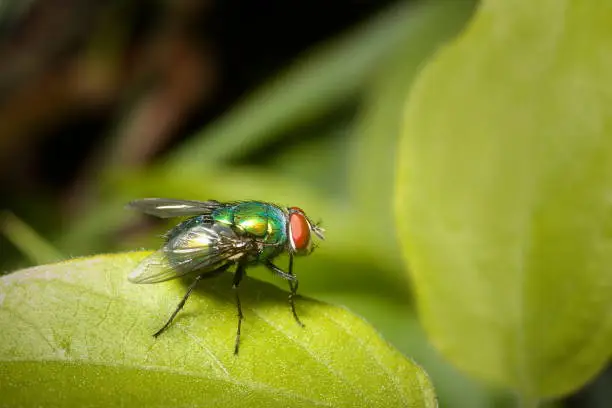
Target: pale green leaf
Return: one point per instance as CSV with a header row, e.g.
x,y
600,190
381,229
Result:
x,y
78,333
401,327
504,198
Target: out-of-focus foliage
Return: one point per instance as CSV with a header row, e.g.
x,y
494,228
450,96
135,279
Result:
x,y
322,134
30,243
504,205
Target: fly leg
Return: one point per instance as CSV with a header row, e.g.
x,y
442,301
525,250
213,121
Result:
x,y
293,284
278,271
238,275
189,290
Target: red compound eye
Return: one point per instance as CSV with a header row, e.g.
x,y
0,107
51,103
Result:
x,y
299,229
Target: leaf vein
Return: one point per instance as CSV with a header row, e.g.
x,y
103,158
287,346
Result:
x,y
390,375
334,373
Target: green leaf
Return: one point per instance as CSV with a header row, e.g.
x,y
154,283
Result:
x,y
399,325
504,195
34,247
77,333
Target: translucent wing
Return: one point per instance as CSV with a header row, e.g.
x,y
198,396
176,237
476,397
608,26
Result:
x,y
169,207
154,268
200,248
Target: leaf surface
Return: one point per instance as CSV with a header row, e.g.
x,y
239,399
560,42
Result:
x,y
78,332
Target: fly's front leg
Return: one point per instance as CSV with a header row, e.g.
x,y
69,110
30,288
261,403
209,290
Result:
x,y
238,275
186,296
293,284
293,287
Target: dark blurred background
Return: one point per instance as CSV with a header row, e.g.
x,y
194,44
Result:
x,y
298,102
147,75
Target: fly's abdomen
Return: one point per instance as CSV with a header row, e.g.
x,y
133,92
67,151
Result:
x,y
202,246
192,246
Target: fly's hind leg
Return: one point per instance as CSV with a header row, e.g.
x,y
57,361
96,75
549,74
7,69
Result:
x,y
189,290
238,275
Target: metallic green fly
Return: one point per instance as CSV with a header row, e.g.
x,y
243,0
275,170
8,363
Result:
x,y
217,235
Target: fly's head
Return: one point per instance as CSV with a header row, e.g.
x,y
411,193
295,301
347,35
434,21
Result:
x,y
300,230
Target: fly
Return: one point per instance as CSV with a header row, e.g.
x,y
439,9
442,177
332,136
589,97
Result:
x,y
217,235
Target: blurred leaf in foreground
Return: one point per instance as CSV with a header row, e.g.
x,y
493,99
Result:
x,y
504,196
78,333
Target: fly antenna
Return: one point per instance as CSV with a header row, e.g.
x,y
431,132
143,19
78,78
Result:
x,y
318,230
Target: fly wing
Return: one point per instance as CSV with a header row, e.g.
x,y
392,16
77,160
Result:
x,y
154,268
200,248
169,207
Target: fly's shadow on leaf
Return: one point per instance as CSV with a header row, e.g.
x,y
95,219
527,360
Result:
x,y
254,295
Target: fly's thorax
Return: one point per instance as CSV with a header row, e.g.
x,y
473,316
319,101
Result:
x,y
255,219
224,215
261,225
